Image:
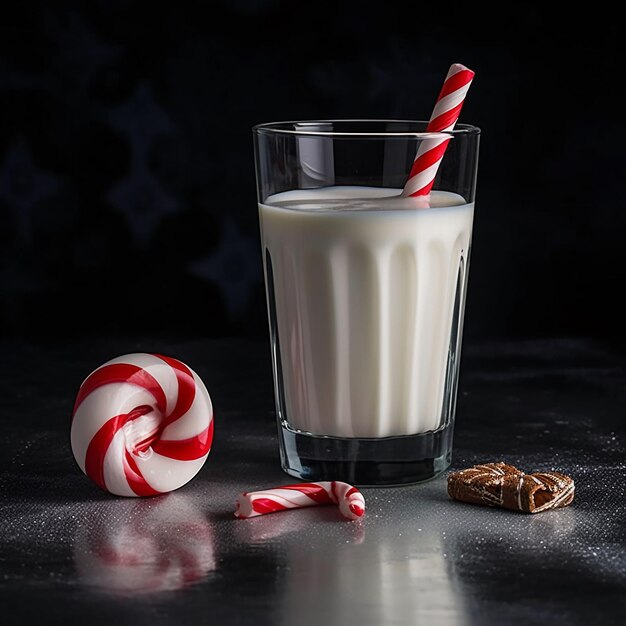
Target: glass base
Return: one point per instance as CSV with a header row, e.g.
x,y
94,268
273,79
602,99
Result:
x,y
387,461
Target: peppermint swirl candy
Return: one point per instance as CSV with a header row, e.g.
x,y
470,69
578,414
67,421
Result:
x,y
142,425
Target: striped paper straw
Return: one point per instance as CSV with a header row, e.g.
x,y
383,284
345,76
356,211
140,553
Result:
x,y
444,117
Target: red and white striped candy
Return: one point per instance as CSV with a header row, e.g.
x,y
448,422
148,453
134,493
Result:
x,y
350,500
142,425
444,117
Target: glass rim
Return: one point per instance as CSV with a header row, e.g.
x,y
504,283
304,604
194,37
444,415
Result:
x,y
280,128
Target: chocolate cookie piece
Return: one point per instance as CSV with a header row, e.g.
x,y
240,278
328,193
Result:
x,y
505,486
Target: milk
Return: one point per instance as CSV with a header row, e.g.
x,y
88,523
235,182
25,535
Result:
x,y
366,290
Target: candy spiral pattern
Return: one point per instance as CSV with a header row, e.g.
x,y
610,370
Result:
x,y
350,499
142,425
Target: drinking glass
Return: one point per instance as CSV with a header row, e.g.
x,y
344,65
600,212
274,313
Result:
x,y
365,295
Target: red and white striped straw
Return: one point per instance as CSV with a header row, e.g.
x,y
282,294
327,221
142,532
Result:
x,y
444,117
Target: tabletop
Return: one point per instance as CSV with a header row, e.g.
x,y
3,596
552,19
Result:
x,y
70,553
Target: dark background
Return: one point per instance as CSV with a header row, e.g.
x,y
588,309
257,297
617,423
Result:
x,y
127,197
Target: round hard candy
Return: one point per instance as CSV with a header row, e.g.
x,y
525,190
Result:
x,y
142,425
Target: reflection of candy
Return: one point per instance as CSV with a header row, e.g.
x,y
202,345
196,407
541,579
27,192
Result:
x,y
287,528
143,548
142,425
350,499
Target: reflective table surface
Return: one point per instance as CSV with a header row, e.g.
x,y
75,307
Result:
x,y
71,554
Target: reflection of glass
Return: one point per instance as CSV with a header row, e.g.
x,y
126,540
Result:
x,y
375,571
389,579
145,546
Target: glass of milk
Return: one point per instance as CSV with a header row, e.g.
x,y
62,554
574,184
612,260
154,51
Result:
x,y
365,292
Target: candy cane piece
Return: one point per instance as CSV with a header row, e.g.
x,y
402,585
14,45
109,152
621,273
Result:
x,y
350,500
